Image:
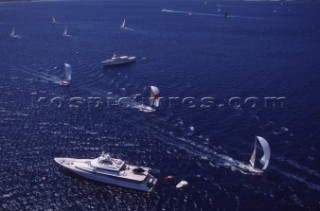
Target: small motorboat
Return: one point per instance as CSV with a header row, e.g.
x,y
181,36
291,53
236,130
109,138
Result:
x,y
182,184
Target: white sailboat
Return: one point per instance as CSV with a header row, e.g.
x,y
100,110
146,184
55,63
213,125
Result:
x,y
13,33
266,153
264,161
67,73
65,32
154,100
53,21
123,24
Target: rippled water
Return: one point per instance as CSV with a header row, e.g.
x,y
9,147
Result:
x,y
261,50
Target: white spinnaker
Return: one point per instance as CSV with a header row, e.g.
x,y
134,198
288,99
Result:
x,y
266,153
67,71
154,96
266,150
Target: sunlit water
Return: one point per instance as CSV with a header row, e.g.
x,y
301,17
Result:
x,y
260,50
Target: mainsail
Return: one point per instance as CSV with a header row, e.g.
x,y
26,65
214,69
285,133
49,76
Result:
x,y
253,156
13,32
53,20
65,33
266,152
123,23
154,96
67,71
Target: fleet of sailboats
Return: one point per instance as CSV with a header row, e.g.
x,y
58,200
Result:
x,y
101,169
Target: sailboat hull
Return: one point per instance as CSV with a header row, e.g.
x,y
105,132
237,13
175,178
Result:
x,y
65,83
147,109
250,169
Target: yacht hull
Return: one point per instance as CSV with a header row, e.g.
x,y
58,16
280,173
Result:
x,y
107,64
71,165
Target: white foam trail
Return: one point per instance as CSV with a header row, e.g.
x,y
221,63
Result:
x,y
218,159
216,15
299,167
44,76
299,179
127,28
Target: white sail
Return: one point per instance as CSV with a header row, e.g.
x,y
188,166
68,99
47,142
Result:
x,y
154,96
53,20
253,156
13,32
65,33
266,153
67,71
123,23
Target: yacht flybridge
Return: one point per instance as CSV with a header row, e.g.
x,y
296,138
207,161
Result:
x,y
111,171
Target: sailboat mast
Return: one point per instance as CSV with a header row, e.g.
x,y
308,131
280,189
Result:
x,y
253,156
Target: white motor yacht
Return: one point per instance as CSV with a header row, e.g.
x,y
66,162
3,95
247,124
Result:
x,y
111,171
118,60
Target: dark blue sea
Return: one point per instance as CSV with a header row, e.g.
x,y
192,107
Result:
x,y
223,80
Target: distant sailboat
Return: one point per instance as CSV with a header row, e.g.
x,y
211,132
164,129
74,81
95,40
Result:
x,y
266,154
53,21
123,24
13,33
65,32
67,74
154,100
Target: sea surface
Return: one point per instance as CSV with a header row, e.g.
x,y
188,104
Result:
x,y
216,76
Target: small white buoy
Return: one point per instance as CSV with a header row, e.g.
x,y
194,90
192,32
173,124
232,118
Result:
x,y
182,184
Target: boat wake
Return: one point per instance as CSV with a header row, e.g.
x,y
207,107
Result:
x,y
43,76
215,15
216,159
128,29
